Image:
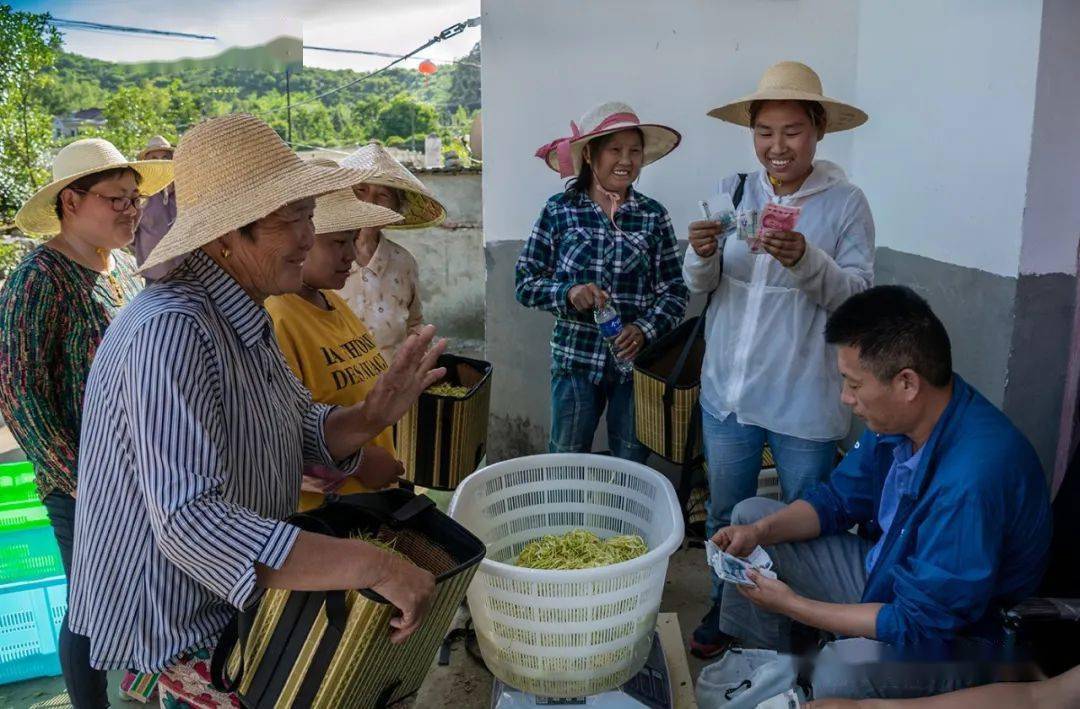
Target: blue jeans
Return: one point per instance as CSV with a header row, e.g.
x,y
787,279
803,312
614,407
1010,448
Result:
x,y
733,452
576,406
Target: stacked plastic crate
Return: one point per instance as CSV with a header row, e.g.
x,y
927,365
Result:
x,y
33,592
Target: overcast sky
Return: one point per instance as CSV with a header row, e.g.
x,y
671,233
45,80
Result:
x,y
394,26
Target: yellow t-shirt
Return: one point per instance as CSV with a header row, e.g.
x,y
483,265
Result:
x,y
335,356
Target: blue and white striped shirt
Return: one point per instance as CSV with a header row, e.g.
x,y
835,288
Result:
x,y
194,436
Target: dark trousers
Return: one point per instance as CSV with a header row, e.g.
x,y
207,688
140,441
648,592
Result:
x,y
87,688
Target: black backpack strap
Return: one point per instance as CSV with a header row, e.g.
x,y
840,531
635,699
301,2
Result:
x,y
736,199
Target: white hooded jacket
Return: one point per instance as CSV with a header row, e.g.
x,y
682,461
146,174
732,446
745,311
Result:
x,y
766,359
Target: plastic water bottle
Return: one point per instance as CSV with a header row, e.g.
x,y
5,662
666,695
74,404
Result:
x,y
607,318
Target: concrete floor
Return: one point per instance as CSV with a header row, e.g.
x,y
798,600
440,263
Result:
x,y
463,684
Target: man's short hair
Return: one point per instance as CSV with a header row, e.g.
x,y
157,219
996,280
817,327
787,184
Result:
x,y
893,329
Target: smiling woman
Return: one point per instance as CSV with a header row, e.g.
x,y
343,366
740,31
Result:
x,y
196,432
601,243
54,310
768,375
330,349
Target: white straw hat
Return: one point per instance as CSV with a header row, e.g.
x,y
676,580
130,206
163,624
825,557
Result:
x,y
564,154
342,211
79,159
421,208
158,142
792,81
232,171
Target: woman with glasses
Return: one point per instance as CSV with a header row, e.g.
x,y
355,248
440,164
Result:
x,y
54,308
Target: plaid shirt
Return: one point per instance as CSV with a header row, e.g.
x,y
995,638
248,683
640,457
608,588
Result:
x,y
572,243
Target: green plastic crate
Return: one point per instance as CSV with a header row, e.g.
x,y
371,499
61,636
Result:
x,y
17,483
29,554
20,507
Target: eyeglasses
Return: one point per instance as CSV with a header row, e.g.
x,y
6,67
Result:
x,y
118,204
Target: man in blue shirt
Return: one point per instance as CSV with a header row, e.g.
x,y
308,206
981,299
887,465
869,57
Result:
x,y
950,500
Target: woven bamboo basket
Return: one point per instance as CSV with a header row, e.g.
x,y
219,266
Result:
x,y
443,439
330,650
663,414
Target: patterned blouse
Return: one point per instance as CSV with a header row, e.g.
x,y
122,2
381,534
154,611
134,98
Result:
x,y
53,314
385,294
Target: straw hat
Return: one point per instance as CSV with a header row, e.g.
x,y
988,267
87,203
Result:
x,y
792,81
342,211
77,160
158,142
421,208
232,171
564,154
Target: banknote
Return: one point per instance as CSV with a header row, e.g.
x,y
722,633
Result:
x,y
774,217
733,569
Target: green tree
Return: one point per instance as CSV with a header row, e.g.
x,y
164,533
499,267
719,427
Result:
x,y
134,114
405,116
313,126
28,49
465,84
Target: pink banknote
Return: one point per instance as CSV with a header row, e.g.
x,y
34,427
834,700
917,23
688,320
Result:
x,y
774,217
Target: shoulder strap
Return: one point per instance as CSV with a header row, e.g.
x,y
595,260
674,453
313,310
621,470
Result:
x,y
736,198
680,363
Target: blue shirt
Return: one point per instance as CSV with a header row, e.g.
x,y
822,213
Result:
x,y
970,534
897,482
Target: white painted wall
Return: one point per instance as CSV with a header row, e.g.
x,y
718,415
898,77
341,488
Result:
x,y
950,89
1052,217
546,63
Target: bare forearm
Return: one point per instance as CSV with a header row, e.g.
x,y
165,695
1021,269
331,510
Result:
x,y
992,695
851,619
348,429
352,565
795,523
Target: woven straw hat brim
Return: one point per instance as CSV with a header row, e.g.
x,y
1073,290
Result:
x,y
839,116
142,153
198,225
38,215
659,142
342,211
421,208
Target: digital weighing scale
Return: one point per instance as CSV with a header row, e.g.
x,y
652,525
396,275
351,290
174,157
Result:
x,y
648,689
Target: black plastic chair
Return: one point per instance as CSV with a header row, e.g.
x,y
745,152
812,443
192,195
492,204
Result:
x,y
1049,625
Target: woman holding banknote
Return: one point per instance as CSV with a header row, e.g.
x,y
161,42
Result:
x,y
801,242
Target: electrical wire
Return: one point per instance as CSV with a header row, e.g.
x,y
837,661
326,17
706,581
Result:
x,y
451,31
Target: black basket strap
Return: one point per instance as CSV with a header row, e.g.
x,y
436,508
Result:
x,y
690,463
379,506
220,660
337,615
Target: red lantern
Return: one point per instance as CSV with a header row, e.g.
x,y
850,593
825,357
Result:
x,y
427,67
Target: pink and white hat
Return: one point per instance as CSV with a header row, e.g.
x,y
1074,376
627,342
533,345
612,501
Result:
x,y
564,155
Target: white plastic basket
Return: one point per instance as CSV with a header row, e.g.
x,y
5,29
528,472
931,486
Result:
x,y
575,633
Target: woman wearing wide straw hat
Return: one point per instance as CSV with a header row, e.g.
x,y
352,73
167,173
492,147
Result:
x,y
196,432
599,242
54,309
768,376
329,349
384,288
